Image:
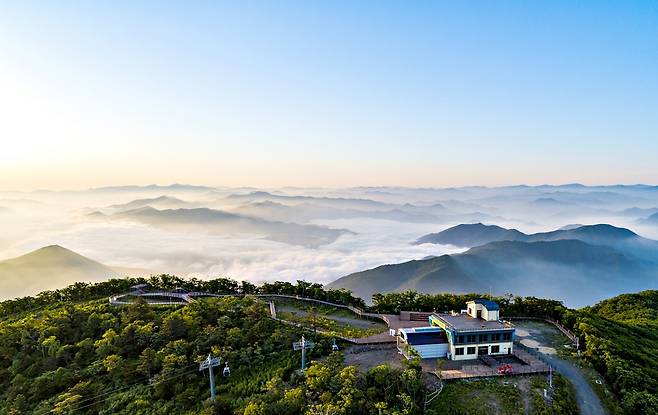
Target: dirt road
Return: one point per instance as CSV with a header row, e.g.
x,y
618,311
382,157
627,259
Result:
x,y
588,401
546,339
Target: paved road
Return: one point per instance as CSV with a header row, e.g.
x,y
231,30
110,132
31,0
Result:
x,y
588,401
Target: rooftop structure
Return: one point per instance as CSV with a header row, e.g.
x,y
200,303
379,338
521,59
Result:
x,y
465,323
490,305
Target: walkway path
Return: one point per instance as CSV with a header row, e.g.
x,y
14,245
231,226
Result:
x,y
545,348
167,298
374,339
588,401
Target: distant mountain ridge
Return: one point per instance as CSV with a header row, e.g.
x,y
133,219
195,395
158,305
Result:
x,y
221,222
622,239
163,201
48,268
651,220
306,212
471,235
578,265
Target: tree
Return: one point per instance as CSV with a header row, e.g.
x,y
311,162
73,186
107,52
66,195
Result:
x,y
112,362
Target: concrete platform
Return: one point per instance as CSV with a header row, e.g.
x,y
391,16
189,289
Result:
x,y
522,363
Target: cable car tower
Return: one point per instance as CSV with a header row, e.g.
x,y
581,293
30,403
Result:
x,y
209,363
303,345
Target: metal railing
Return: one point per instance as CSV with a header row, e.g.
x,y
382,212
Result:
x,y
571,335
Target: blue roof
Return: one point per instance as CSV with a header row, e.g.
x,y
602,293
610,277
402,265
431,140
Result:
x,y
418,339
490,305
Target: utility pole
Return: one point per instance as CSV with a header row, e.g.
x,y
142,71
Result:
x,y
550,376
303,345
209,363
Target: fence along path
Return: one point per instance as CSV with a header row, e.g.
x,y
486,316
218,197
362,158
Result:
x,y
574,339
155,298
189,297
374,339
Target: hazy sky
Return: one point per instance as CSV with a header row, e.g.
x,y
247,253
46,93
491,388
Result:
x,y
327,93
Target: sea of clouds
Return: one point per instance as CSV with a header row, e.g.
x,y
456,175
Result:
x,y
33,220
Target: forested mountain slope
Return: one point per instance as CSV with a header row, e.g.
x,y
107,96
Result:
x,y
82,356
572,271
621,337
68,351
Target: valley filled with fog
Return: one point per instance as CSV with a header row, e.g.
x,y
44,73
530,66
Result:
x,y
293,233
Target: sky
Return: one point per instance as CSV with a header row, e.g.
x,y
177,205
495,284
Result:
x,y
278,93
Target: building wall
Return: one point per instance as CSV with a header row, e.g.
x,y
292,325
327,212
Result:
x,y
489,315
473,309
432,351
503,349
414,315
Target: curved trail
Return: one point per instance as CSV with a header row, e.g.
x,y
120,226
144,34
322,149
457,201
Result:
x,y
588,401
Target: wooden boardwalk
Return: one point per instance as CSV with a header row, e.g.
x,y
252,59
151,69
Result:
x,y
175,298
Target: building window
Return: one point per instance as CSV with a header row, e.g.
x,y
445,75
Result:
x,y
495,337
470,350
483,338
459,351
495,349
460,339
507,336
470,338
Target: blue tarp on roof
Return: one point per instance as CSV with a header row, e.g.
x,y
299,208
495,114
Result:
x,y
490,305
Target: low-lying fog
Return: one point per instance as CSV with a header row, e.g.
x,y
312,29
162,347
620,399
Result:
x,y
292,233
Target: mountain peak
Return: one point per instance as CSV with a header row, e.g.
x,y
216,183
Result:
x,y
54,247
470,234
47,268
606,229
50,254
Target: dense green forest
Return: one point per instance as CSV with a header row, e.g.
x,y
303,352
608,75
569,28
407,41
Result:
x,y
69,351
83,291
95,358
621,338
509,305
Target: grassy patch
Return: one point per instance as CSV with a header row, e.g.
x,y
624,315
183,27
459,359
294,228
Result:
x,y
487,396
329,325
334,320
513,395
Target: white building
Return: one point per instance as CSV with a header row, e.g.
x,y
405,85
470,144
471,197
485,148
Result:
x,y
460,336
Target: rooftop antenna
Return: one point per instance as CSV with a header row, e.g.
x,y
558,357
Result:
x,y
303,345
